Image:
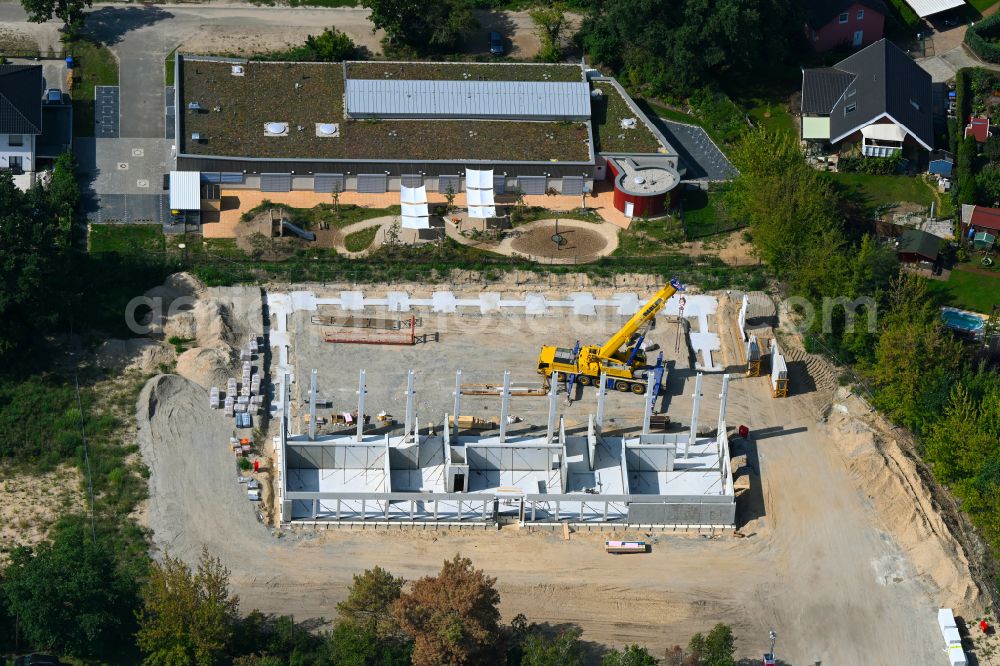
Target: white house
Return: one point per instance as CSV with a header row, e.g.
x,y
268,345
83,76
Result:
x,y
21,88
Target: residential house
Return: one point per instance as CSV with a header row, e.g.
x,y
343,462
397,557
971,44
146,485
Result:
x,y
979,128
916,246
20,120
878,98
978,219
832,23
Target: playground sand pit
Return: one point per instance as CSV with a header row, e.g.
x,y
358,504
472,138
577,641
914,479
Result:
x,y
578,242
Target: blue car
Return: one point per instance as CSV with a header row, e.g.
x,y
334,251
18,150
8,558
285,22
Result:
x,y
496,44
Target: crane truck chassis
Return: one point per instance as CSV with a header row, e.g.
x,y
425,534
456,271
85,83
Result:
x,y
621,358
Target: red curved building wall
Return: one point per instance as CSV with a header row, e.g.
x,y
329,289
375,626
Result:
x,y
642,206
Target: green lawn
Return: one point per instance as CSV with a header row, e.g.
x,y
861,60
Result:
x,y
126,238
168,68
970,291
882,190
704,214
94,65
982,5
360,240
773,116
649,237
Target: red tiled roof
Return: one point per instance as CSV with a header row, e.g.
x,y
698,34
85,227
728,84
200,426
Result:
x,y
986,218
979,128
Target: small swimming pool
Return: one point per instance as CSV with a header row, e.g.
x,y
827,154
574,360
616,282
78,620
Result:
x,y
962,321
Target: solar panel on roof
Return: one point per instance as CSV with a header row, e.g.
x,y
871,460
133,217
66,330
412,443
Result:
x,y
393,98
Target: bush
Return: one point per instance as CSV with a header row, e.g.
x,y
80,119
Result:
x,y
984,38
719,113
873,166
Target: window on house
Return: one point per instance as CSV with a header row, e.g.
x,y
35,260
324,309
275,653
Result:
x,y
914,105
850,108
843,17
15,140
861,14
852,92
15,164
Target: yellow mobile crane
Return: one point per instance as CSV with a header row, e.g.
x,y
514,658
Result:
x,y
620,358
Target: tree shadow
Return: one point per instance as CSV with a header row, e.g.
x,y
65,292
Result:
x,y
477,42
111,24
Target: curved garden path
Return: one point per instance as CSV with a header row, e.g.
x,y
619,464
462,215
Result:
x,y
608,233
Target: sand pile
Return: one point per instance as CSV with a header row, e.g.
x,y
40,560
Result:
x,y
171,299
893,483
135,353
206,366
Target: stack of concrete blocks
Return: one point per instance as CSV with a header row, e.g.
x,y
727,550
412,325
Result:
x,y
245,384
213,397
229,405
231,387
952,639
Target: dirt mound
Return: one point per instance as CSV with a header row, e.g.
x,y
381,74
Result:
x,y
918,525
205,366
141,353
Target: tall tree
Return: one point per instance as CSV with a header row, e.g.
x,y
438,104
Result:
x,y
424,27
550,23
187,618
32,251
70,12
674,47
715,649
453,617
68,595
630,655
565,649
369,602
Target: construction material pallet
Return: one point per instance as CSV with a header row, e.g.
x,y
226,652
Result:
x,y
350,321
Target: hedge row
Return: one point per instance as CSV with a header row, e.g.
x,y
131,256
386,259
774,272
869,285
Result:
x,y
984,38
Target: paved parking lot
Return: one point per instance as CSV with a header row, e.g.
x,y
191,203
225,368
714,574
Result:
x,y
106,109
127,179
701,158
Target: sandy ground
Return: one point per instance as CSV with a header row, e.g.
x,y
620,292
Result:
x,y
844,552
30,503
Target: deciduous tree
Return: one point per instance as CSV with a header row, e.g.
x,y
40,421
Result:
x,y
68,595
187,618
453,617
630,655
550,22
70,12
368,605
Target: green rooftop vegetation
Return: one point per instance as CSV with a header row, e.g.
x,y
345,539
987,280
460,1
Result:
x,y
458,71
608,112
306,94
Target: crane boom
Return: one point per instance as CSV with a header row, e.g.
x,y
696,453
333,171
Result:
x,y
648,311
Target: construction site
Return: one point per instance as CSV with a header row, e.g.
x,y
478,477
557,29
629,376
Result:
x,y
566,418
493,446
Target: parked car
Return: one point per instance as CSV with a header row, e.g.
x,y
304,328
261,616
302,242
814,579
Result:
x,y
37,660
496,44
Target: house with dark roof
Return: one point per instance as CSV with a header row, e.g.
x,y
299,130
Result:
x,y
916,246
878,99
833,23
20,120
